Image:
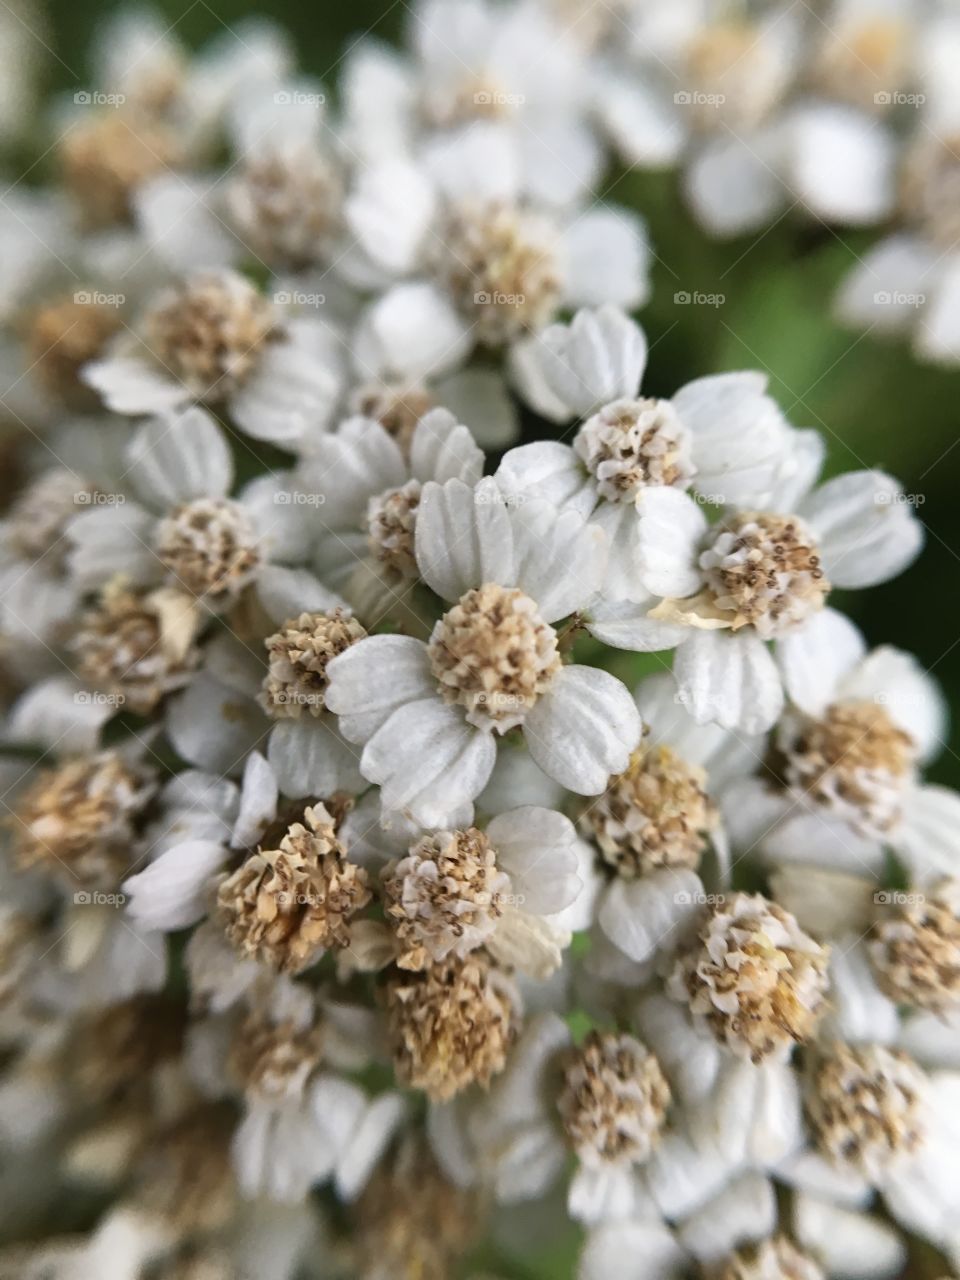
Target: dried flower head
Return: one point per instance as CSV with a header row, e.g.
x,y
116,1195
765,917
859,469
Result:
x,y
494,655
630,444
274,1058
285,204
38,516
298,655
655,815
865,1103
451,1024
915,948
209,547
754,979
112,1051
65,334
397,407
287,906
77,821
105,159
391,523
614,1100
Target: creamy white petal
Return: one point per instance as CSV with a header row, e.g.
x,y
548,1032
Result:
x,y
631,1251
110,540
558,558
367,1144
294,389
286,593
389,212
464,537
627,625
259,794
128,385
550,470
816,658
180,457
442,449
370,680
729,678
842,163
733,187
859,1012
171,893
479,397
428,761
606,259
744,1211
310,758
857,1246
583,729
600,356
888,284
213,726
671,526
605,1193
927,836
643,915
865,528
535,847
938,336
58,714
412,331
908,693
690,1060
348,467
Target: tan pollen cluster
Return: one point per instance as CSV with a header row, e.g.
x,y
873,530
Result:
x,y
854,759
630,444
494,655
275,1059
501,266
391,524
412,1223
138,646
287,906
37,519
857,56
444,897
753,979
298,655
209,547
764,571
735,79
105,158
614,1100
775,1259
451,1024
209,332
286,204
397,407
77,821
865,1103
656,814
112,1051
930,187
65,334
915,949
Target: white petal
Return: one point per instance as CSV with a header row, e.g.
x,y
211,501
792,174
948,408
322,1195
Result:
x,y
744,1211
411,332
927,837
371,679
212,726
938,337
177,458
112,540
856,1246
626,625
479,397
443,450
815,659
643,915
600,356
624,577
259,794
310,758
730,679
428,760
859,1012
607,259
645,133
690,1060
671,526
464,537
888,284
908,693
842,164
550,470
171,893
865,528
286,593
173,213
558,558
605,1193
350,465
631,1251
367,1144
733,187
128,385
389,212
294,389
583,729
59,715
535,847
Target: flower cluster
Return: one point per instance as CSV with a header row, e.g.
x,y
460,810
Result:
x,y
400,827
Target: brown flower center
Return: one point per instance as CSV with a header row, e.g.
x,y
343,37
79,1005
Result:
x,y
298,655
64,335
915,948
391,524
106,158
630,444
210,547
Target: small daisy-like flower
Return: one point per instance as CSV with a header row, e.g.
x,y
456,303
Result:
x,y
214,338
846,763
492,663
451,1024
78,821
289,905
451,892
137,646
915,950
753,979
866,1106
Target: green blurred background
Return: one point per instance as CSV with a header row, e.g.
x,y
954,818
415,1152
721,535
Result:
x,y
873,402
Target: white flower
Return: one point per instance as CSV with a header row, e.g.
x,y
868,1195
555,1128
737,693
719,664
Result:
x,y
427,713
722,436
214,338
852,746
655,822
757,576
